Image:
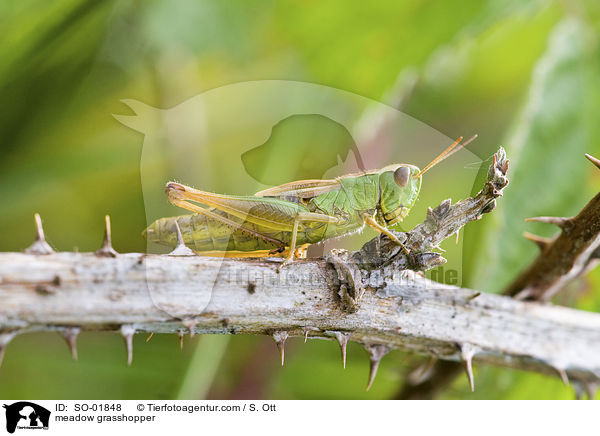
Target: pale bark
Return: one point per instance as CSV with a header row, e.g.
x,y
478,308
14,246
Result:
x,y
392,306
401,311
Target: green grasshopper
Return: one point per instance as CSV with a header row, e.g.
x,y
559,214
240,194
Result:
x,y
278,220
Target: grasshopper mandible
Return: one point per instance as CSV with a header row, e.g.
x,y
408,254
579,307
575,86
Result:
x,y
279,219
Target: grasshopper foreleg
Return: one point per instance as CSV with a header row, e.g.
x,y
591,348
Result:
x,y
370,221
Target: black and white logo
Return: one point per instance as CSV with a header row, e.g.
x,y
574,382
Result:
x,y
26,415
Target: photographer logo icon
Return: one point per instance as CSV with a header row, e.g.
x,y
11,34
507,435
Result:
x,y
26,415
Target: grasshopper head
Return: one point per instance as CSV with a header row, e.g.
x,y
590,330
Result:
x,y
398,191
400,184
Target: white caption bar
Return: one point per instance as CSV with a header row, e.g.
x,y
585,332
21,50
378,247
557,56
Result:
x,y
150,417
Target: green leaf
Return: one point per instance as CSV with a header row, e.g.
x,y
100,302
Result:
x,y
548,172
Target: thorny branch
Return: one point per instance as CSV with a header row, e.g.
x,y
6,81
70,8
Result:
x,y
392,307
562,258
568,255
381,254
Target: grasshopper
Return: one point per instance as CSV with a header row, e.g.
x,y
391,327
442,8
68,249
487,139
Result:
x,y
278,220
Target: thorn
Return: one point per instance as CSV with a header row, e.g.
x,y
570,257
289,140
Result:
x,y
593,160
524,294
181,249
563,375
474,296
420,262
39,246
307,330
127,331
149,336
5,338
437,247
585,387
540,241
422,372
467,351
106,249
70,334
190,324
181,334
342,339
591,389
280,336
579,388
376,353
457,236
558,221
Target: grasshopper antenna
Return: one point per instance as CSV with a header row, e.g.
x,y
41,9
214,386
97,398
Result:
x,y
453,148
461,146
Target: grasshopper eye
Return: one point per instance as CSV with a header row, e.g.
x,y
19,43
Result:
x,y
401,176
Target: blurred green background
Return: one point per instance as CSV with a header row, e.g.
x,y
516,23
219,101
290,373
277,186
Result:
x,y
525,75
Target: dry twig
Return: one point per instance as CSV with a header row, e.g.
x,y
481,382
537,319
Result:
x,y
568,255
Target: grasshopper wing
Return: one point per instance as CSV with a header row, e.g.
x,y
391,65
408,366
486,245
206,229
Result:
x,y
300,189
